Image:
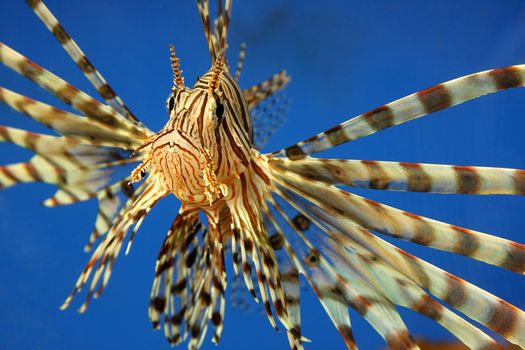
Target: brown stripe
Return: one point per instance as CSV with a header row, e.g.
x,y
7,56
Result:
x,y
267,308
456,294
435,98
129,114
519,181
429,307
192,103
33,3
248,245
4,134
417,179
336,135
291,276
139,214
246,201
261,277
268,261
259,172
375,205
423,231
346,332
296,331
506,78
29,69
206,298
7,173
67,93
158,303
22,104
379,118
239,152
179,316
239,97
466,242
59,172
292,301
378,178
93,109
162,267
468,180
30,139
295,152
361,305
195,331
216,318
400,340
334,292
279,307
108,193
422,277
515,257
504,318
217,284
106,92
60,34
311,139
85,66
32,171
174,339
190,258
335,171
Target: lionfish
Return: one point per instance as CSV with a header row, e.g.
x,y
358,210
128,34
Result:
x,y
236,200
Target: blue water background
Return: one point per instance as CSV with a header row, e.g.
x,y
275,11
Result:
x,y
345,57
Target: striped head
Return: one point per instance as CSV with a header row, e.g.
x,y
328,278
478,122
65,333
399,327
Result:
x,y
207,140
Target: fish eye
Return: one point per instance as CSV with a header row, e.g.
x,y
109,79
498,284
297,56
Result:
x,y
170,102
